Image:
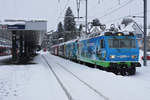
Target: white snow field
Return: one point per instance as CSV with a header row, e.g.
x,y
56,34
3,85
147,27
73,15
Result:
x,y
37,81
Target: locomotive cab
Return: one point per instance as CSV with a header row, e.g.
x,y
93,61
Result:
x,y
122,48
118,53
122,53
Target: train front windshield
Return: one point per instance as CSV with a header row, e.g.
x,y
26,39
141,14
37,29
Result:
x,y
122,43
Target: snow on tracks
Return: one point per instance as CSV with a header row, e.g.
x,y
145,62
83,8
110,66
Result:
x,y
87,88
59,81
115,87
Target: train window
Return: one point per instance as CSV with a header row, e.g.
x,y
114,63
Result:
x,y
110,43
73,45
102,44
125,43
122,43
133,43
113,43
128,43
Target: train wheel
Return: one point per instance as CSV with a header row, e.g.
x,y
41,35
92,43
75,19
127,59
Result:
x,y
132,71
116,71
123,72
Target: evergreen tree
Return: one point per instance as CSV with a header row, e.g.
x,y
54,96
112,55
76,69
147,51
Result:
x,y
60,30
69,22
69,25
80,28
60,27
96,22
126,21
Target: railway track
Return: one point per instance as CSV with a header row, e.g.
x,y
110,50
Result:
x,y
59,81
95,91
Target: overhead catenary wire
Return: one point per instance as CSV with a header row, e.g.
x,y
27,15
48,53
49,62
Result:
x,y
109,10
126,16
78,6
114,10
63,9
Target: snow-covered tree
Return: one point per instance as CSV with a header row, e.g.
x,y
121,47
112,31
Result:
x,y
80,27
96,22
69,25
60,30
69,22
60,27
126,21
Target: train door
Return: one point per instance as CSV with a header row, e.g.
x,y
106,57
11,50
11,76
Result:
x,y
100,50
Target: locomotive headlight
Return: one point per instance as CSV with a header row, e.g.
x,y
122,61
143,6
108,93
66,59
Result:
x,y
133,56
112,56
119,34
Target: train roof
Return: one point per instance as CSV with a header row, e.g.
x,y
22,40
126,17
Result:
x,y
71,41
105,33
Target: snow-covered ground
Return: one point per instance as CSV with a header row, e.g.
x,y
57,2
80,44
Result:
x,y
29,82
37,82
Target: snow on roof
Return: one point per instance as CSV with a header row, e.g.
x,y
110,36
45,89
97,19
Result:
x,y
18,22
95,30
128,28
70,41
12,22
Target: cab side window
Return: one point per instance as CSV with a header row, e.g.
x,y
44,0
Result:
x,y
102,44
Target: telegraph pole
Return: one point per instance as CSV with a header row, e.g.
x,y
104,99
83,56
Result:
x,y
78,8
86,11
145,32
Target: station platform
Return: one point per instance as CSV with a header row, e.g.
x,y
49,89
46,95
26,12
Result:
x,y
25,37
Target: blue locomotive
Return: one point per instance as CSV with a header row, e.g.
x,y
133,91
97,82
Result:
x,y
115,52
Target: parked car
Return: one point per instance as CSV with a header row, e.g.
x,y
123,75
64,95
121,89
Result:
x,y
147,57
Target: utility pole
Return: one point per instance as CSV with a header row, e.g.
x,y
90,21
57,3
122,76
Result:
x,y
119,2
86,11
145,32
78,8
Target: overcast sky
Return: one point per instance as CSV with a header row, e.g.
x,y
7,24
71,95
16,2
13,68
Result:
x,y
53,10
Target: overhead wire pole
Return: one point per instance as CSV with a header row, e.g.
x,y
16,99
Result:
x,y
145,32
78,7
119,2
86,11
